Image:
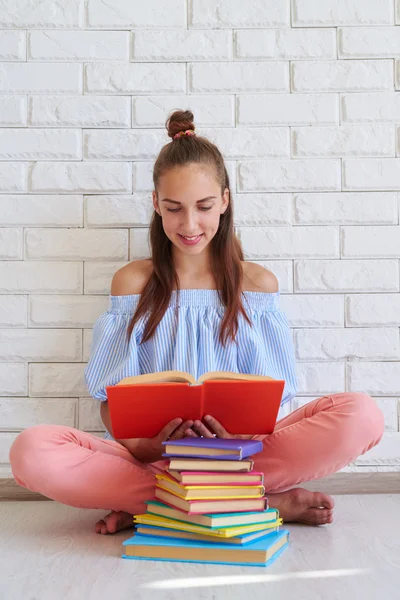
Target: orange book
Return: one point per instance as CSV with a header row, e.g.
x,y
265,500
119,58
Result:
x,y
140,406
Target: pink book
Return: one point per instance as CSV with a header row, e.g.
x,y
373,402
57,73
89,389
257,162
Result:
x,y
199,478
203,507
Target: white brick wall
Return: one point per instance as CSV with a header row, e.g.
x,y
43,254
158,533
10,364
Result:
x,y
302,97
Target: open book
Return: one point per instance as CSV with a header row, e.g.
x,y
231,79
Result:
x,y
141,405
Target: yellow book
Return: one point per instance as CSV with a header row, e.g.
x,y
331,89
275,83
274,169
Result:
x,y
216,492
221,532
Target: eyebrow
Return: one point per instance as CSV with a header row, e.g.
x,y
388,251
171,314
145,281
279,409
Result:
x,y
175,202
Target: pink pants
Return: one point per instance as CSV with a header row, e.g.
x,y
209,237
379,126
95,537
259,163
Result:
x,y
79,469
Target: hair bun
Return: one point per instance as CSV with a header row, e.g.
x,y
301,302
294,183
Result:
x,y
180,120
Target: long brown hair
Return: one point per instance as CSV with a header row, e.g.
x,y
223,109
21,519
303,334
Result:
x,y
226,251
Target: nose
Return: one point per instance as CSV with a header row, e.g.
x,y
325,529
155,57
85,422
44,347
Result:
x,y
190,224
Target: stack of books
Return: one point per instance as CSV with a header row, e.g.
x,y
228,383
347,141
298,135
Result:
x,y
210,507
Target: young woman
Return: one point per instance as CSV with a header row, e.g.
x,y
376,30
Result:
x,y
195,306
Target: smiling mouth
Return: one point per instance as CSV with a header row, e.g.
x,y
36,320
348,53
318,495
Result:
x,y
193,237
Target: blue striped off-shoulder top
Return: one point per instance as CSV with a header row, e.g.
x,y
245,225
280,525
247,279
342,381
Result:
x,y
191,343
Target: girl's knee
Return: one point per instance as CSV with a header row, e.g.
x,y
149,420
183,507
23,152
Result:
x,y
369,417
24,449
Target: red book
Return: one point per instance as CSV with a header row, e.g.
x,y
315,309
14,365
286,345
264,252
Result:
x,y
140,406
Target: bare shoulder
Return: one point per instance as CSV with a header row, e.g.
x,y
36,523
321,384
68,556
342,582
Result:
x,y
259,279
132,278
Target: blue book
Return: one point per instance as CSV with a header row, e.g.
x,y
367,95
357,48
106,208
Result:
x,y
221,449
237,540
256,554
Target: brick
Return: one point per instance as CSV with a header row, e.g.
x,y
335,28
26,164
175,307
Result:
x,y
36,13
287,109
342,75
13,177
376,378
38,144
73,244
341,208
65,311
41,211
13,379
313,310
289,175
262,209
283,270
22,277
371,174
371,343
13,311
337,276
89,415
78,45
12,111
57,380
12,45
155,14
320,378
11,244
234,13
342,12
345,140
139,247
119,211
389,408
87,343
79,111
239,77
97,177
371,108
371,242
19,413
98,275
368,42
18,345
41,78
210,110
289,242
123,145
372,310
285,44
250,142
181,45
143,78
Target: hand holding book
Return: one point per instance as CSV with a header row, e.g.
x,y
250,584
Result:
x,y
198,428
149,450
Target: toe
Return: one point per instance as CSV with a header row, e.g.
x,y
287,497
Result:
x,y
324,500
99,525
316,514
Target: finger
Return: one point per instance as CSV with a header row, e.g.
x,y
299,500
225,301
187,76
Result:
x,y
216,427
201,429
180,431
191,433
169,428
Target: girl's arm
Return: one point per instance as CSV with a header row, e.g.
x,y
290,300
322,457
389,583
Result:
x,y
148,450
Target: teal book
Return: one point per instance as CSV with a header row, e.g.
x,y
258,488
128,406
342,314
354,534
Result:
x,y
260,553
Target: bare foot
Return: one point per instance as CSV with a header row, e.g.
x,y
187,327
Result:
x,y
299,505
114,521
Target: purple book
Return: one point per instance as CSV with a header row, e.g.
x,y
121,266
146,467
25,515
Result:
x,y
239,448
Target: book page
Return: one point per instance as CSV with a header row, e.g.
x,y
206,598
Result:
x,y
160,377
214,375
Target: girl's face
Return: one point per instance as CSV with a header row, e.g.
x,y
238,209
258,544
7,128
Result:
x,y
177,202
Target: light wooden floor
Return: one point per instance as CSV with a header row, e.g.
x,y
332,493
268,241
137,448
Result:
x,y
49,551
